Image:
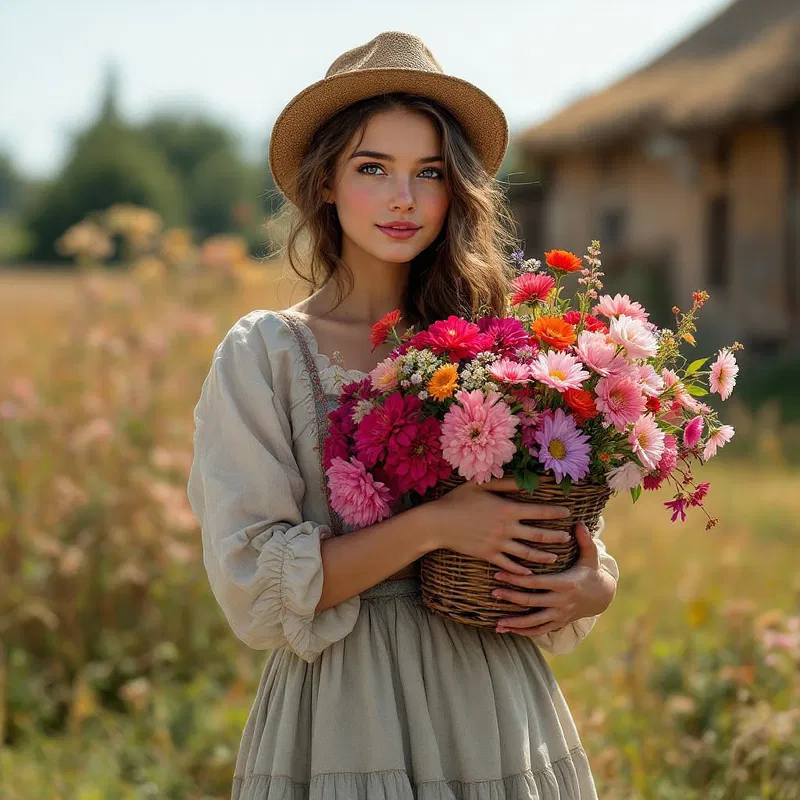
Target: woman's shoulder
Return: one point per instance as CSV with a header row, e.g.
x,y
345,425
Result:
x,y
262,332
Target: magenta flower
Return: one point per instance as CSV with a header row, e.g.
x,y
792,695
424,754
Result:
x,y
456,337
477,434
420,464
698,495
355,494
563,448
508,334
678,506
391,425
669,458
692,432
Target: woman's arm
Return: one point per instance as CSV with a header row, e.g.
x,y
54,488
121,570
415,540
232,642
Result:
x,y
364,557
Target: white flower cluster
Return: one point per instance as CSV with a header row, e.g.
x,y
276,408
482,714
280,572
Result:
x,y
417,367
362,408
475,375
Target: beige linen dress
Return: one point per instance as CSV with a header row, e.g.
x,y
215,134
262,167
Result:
x,y
376,698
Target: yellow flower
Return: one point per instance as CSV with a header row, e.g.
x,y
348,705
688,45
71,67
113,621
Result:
x,y
443,382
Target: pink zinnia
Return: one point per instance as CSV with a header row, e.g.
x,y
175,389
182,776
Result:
x,y
477,434
456,337
718,438
633,335
530,287
647,440
563,447
692,432
508,334
723,374
620,400
507,371
419,465
355,494
596,351
393,424
651,382
620,304
559,369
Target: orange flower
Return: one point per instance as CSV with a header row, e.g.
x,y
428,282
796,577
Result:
x,y
380,330
563,260
581,403
555,332
443,382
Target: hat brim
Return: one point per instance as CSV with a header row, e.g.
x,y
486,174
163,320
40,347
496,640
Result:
x,y
483,121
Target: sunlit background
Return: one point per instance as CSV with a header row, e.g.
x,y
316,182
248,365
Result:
x,y
136,212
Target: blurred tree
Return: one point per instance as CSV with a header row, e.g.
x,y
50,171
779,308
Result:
x,y
11,185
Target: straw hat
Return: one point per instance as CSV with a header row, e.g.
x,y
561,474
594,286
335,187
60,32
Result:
x,y
391,62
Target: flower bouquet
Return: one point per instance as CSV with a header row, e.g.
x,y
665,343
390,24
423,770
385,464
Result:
x,y
577,399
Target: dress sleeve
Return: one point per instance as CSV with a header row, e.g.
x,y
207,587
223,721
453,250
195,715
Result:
x,y
565,640
245,487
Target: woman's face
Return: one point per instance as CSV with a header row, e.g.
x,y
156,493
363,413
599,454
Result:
x,y
396,182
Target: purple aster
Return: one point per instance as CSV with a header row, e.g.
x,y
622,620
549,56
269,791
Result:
x,y
562,446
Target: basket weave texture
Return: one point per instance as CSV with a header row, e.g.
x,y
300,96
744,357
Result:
x,y
459,586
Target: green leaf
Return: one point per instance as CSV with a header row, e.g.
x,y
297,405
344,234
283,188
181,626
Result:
x,y
636,492
694,366
566,485
697,391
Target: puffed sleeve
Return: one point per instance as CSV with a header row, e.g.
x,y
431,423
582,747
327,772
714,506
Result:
x,y
565,640
262,558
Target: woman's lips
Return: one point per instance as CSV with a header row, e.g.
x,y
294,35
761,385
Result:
x,y
398,233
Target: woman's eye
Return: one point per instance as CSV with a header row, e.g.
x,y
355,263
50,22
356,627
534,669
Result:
x,y
364,167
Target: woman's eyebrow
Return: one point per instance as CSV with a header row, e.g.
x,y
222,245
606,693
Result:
x,y
386,157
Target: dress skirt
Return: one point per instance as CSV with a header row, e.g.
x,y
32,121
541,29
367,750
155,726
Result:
x,y
411,706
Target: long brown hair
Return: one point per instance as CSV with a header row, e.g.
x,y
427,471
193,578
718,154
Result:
x,y
464,271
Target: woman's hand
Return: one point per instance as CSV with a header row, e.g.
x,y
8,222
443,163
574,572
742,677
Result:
x,y
474,520
584,590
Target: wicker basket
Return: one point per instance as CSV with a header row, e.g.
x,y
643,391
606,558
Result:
x,y
460,587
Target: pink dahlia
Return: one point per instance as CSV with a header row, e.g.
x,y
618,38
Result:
x,y
634,336
562,446
355,495
391,425
455,336
620,304
530,287
596,351
718,438
477,434
692,432
620,400
559,369
507,371
647,440
723,374
508,334
419,465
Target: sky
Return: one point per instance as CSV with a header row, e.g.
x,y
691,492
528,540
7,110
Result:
x,y
242,61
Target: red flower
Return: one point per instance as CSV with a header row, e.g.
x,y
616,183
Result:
x,y
380,330
653,404
391,425
563,260
530,287
454,336
581,403
590,323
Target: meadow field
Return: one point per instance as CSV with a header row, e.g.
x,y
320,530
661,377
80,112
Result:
x,y
119,677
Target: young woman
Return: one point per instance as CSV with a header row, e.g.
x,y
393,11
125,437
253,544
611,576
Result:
x,y
365,694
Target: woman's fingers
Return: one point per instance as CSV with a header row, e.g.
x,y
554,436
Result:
x,y
543,535
504,562
529,553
